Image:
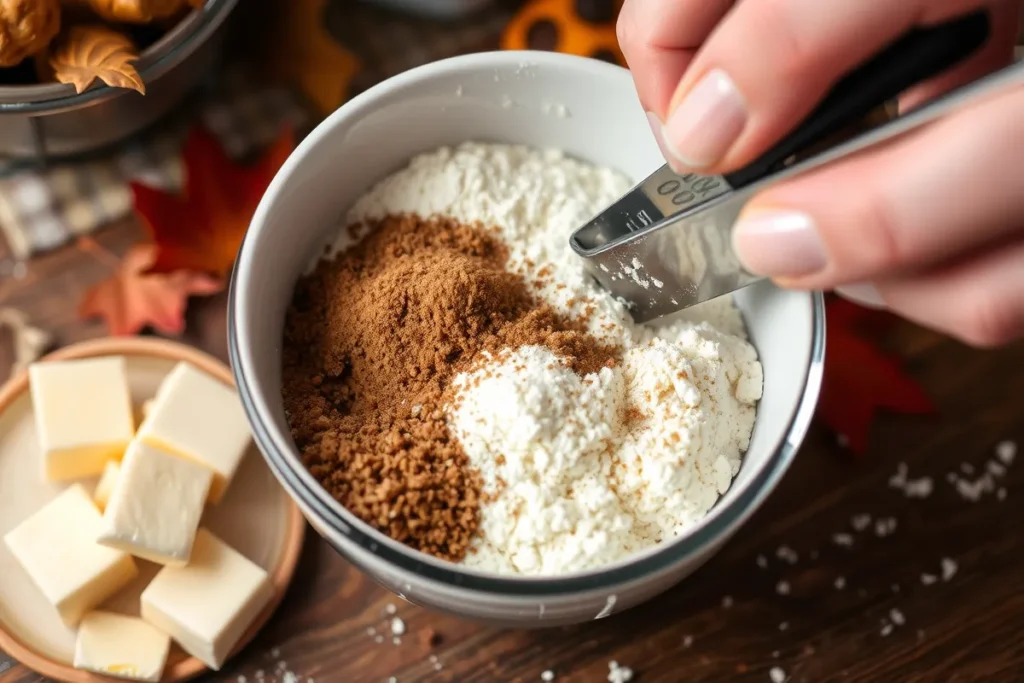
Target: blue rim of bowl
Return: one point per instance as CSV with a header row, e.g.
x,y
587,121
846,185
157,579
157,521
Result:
x,y
213,16
722,519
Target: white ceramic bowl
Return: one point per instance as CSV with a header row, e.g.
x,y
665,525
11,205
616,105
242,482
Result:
x,y
588,108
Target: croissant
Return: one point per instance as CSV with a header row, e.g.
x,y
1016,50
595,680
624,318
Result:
x,y
26,27
131,11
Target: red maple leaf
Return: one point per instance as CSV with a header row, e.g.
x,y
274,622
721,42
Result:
x,y
131,300
202,229
860,379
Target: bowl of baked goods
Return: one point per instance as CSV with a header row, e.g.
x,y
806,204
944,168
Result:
x,y
80,75
452,401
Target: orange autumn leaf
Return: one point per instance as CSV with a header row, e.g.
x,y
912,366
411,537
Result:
x,y
131,300
86,53
202,229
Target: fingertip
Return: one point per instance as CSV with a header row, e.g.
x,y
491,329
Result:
x,y
678,165
778,243
707,121
864,294
659,137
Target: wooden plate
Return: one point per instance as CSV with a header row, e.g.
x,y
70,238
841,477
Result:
x,y
256,516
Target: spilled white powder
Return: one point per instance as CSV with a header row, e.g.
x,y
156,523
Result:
x,y
618,673
949,568
787,554
1006,451
576,484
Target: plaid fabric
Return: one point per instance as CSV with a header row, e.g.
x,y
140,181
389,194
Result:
x,y
43,209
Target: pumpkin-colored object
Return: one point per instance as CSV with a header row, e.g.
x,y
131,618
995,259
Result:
x,y
577,27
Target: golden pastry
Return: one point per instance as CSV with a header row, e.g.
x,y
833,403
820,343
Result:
x,y
131,11
26,27
85,53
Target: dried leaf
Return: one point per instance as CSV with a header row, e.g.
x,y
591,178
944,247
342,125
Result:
x,y
131,300
26,27
202,229
860,379
29,342
88,52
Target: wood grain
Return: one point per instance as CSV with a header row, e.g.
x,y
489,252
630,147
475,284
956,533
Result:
x,y
965,629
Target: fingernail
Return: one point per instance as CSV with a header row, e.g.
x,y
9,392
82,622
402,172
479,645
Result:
x,y
863,293
778,243
707,122
656,128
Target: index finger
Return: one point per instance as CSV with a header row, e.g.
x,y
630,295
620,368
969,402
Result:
x,y
766,67
659,38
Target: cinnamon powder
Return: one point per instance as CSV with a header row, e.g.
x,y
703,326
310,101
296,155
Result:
x,y
372,340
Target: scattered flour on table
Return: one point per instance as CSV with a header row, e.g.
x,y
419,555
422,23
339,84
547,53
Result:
x,y
618,673
587,470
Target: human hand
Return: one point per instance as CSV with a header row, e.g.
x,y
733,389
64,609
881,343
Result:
x,y
930,226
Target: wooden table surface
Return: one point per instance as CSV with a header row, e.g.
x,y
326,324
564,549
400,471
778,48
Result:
x,y
730,621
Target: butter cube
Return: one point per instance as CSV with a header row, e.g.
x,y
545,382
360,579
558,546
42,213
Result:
x,y
197,416
83,414
101,496
155,507
207,605
121,646
57,547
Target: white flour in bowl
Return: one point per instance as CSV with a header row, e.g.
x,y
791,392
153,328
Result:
x,y
585,470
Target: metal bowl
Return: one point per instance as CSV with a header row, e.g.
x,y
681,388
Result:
x,y
49,121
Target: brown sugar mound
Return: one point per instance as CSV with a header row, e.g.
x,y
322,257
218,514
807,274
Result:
x,y
425,313
372,340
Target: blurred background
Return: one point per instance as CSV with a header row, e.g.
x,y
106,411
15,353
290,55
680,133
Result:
x,y
241,69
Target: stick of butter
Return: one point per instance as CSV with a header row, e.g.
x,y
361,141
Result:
x,y
197,416
83,414
155,506
57,547
101,496
122,646
208,604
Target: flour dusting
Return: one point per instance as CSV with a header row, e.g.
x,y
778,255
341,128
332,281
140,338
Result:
x,y
584,471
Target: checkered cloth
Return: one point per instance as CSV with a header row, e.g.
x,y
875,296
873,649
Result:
x,y
46,208
41,210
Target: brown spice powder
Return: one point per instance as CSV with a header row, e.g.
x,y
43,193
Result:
x,y
372,340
